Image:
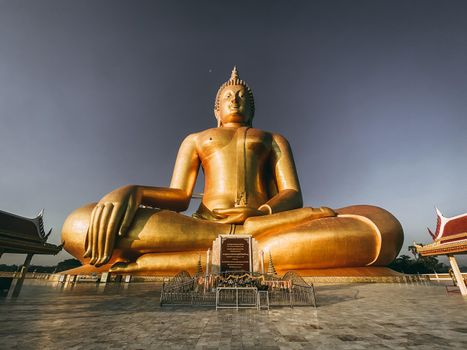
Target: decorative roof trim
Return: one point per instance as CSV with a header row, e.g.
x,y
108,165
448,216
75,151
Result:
x,y
441,223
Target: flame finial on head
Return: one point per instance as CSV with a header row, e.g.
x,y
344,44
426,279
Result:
x,y
234,75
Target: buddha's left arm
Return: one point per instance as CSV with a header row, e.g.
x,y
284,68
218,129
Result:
x,y
289,195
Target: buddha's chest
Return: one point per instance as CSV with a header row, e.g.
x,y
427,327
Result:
x,y
230,145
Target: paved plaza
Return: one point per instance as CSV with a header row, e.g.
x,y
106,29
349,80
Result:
x,y
349,316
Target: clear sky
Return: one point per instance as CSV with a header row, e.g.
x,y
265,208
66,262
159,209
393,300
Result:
x,y
372,96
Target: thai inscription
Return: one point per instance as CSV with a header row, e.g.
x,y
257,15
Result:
x,y
235,255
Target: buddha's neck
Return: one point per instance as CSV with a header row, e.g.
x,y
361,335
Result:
x,y
234,125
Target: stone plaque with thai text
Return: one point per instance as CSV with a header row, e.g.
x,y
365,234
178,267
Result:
x,y
235,254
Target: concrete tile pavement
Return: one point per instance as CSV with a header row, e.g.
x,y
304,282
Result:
x,y
349,316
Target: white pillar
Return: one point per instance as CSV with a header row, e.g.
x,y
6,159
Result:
x,y
437,277
206,276
457,274
105,277
208,260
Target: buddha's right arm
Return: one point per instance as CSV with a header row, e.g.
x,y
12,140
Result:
x,y
176,197
165,198
115,211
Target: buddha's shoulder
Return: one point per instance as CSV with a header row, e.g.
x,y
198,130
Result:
x,y
207,133
278,137
255,131
197,138
252,132
273,136
201,135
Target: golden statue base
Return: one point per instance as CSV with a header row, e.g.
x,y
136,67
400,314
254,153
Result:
x,y
352,274
374,271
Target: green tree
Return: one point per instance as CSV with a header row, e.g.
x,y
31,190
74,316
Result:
x,y
422,265
67,264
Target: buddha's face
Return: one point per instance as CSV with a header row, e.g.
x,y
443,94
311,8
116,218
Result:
x,y
234,106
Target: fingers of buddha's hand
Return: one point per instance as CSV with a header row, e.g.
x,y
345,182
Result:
x,y
102,234
223,214
94,233
218,216
235,210
87,249
111,233
239,214
130,212
233,219
87,244
89,238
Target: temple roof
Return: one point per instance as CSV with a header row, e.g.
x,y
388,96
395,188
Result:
x,y
450,229
24,235
433,249
450,236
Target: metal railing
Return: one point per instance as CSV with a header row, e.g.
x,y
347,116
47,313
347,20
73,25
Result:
x,y
236,297
241,297
292,290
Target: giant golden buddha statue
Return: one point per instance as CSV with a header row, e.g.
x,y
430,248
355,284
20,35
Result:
x,y
251,187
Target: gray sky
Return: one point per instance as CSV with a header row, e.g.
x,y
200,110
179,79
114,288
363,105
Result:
x,y
372,96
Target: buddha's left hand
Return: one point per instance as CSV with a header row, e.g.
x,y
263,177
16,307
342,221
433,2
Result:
x,y
236,215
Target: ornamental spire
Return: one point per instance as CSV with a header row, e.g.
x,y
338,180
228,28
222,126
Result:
x,y
199,268
271,268
234,75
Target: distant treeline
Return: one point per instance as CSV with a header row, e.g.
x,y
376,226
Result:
x,y
421,265
61,266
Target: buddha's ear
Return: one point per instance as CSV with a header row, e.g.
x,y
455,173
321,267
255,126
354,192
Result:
x,y
216,114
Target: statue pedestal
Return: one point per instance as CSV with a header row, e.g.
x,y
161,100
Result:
x,y
234,254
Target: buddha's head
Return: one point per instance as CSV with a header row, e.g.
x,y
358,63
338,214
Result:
x,y
234,102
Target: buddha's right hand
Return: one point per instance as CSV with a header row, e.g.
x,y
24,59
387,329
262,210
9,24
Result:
x,y
112,215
